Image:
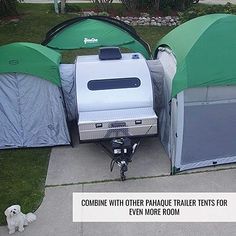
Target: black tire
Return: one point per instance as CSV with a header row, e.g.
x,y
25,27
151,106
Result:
x,y
123,177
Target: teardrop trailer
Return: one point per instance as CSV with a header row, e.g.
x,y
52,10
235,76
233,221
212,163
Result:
x,y
115,102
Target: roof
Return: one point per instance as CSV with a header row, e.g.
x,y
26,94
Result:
x,y
205,50
30,58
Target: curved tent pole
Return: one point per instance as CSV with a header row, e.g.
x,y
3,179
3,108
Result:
x,y
157,49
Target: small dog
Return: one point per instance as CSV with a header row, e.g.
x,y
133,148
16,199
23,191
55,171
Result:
x,y
16,220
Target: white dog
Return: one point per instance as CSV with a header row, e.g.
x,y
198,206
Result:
x,y
16,220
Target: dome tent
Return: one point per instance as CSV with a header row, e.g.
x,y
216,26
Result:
x,y
93,32
205,50
197,124
30,58
31,106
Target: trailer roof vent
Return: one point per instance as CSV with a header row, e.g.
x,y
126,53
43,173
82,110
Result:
x,y
109,53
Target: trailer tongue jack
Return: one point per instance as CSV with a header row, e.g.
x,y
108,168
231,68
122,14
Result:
x,y
122,152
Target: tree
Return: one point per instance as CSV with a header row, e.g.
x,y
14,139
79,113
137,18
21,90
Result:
x,y
63,5
156,4
130,5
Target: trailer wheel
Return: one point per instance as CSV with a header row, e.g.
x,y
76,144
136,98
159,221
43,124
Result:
x,y
123,169
122,177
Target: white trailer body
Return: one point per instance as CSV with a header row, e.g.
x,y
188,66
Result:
x,y
114,97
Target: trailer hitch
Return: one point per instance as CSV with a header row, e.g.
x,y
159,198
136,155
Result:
x,y
123,150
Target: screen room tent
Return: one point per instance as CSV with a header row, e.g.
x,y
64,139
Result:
x,y
93,32
195,73
31,103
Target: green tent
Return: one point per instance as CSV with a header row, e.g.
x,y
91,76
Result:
x,y
205,51
30,58
95,31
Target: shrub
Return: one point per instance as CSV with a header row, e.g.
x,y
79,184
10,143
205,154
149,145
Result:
x,y
130,5
179,5
72,7
154,5
138,5
8,8
198,10
102,5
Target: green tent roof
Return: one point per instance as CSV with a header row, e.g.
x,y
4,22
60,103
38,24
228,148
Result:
x,y
205,49
95,31
30,58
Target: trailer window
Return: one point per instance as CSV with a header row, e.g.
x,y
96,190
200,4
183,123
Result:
x,y
118,83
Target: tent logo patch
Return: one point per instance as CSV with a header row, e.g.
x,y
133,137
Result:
x,y
13,62
90,40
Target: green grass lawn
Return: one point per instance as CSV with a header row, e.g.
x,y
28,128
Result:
x,y
23,172
22,178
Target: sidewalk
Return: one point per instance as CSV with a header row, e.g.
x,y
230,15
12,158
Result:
x,y
55,213
74,170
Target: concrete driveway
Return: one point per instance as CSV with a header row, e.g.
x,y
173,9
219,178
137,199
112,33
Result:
x,y
85,168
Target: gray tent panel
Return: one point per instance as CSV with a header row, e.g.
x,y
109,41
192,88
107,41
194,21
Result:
x,y
157,75
209,132
209,127
161,101
67,72
198,126
10,132
31,112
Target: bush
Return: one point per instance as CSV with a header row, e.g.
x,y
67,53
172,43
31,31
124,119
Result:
x,y
72,7
8,8
140,5
200,10
179,5
102,5
150,5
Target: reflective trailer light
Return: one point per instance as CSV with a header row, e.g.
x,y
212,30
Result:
x,y
117,151
138,122
98,125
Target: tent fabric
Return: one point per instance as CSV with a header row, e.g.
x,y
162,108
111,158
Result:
x,y
95,31
30,58
157,75
161,70
208,127
67,72
31,112
201,142
205,50
197,127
